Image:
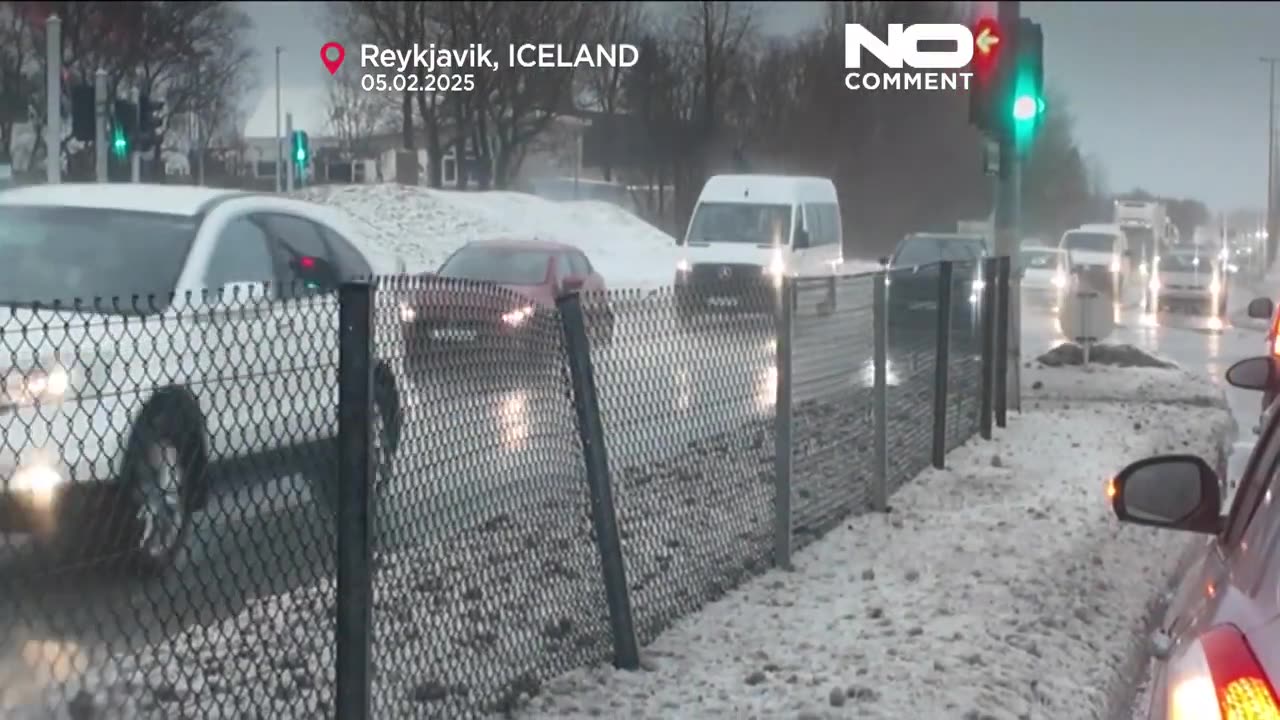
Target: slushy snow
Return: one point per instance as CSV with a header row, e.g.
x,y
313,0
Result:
x,y
1001,587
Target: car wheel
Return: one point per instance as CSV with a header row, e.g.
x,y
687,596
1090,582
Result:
x,y
153,500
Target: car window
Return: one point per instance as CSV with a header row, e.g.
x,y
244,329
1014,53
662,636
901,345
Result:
x,y
579,264
824,223
1254,483
351,262
563,266
241,253
297,241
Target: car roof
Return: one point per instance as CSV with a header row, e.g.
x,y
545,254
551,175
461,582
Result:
x,y
947,236
186,200
514,244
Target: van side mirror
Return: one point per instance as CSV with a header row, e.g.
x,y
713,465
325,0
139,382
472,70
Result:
x,y
1261,308
801,240
1178,492
884,261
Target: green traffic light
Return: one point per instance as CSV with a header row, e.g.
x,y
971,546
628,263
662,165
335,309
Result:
x,y
1026,107
300,155
119,144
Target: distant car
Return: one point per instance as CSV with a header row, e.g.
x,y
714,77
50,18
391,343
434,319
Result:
x,y
1215,655
1100,257
1046,274
1190,278
913,278
1265,309
115,410
500,293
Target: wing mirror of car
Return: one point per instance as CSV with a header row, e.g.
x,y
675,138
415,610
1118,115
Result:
x,y
1178,492
801,240
884,261
573,282
1255,373
1261,308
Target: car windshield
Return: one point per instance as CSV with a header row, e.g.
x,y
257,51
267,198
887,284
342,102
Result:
x,y
741,223
927,249
1040,259
1185,262
1090,242
501,265
57,254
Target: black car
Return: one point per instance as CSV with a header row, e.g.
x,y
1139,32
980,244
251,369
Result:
x,y
913,279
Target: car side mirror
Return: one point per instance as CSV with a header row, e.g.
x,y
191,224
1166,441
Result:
x,y
801,240
884,261
1255,373
1261,308
1179,492
573,282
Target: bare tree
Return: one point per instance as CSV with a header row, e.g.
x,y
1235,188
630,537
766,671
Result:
x,y
19,80
356,116
619,22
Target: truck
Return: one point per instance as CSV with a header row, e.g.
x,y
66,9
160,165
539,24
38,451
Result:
x,y
1147,229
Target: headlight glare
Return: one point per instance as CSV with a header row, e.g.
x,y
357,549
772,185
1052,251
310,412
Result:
x,y
517,317
30,387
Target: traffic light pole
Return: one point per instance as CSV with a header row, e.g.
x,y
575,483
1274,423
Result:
x,y
135,157
1006,236
53,100
100,124
289,167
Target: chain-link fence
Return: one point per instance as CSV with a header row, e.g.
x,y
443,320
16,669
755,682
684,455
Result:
x,y
425,498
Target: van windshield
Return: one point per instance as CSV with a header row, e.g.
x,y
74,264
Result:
x,y
741,223
1089,242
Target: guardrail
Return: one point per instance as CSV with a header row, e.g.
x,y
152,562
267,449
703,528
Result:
x,y
516,489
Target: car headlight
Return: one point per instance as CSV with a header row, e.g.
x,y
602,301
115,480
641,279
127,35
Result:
x,y
407,313
682,265
979,285
776,267
517,317
24,388
1115,265
1214,286
1059,281
1155,284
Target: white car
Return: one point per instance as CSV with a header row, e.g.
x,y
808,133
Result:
x,y
1046,273
115,411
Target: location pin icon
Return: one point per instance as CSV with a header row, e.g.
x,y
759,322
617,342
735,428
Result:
x,y
331,54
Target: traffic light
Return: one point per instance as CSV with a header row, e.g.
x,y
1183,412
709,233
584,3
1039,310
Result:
x,y
84,120
150,121
124,124
301,147
1027,90
988,41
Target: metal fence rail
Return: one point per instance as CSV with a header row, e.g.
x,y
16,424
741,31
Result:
x,y
426,498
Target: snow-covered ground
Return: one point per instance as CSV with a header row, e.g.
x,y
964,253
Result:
x,y
424,226
1002,587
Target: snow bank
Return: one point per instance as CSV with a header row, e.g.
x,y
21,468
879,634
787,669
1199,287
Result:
x,y
424,226
1002,587
1109,383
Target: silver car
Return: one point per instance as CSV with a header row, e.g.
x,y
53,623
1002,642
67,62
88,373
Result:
x,y
1190,279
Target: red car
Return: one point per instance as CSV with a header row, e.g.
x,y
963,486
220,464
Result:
x,y
1263,309
1218,654
503,292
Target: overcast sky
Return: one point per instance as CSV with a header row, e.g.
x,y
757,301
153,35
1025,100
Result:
x,y
1170,96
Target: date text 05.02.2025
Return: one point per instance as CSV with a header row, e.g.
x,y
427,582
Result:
x,y
402,82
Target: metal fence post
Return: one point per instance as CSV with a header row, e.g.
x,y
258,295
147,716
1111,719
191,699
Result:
x,y
626,653
782,429
988,346
942,358
880,392
355,478
1002,341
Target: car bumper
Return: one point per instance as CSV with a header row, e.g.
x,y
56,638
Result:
x,y
54,452
758,295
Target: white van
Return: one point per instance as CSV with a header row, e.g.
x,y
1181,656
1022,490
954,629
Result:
x,y
749,231
1100,252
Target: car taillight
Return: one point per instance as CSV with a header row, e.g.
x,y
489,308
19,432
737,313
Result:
x,y
1218,678
1274,336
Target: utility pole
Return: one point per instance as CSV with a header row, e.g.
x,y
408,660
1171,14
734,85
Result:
x,y
100,123
1272,230
135,156
279,140
1006,230
288,132
53,100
